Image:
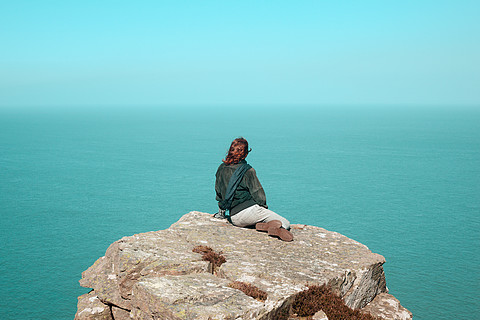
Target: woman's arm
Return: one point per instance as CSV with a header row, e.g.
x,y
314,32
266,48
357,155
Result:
x,y
255,188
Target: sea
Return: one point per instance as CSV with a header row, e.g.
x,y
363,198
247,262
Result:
x,y
404,181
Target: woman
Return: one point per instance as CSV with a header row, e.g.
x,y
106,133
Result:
x,y
249,204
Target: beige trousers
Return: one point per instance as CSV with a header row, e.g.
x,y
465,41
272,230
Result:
x,y
254,214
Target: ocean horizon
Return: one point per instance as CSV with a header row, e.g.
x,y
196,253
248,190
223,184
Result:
x,y
404,181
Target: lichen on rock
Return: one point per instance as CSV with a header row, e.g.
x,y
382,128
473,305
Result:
x,y
157,275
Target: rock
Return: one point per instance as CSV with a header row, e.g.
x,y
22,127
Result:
x,y
156,275
320,315
90,308
387,306
121,314
191,297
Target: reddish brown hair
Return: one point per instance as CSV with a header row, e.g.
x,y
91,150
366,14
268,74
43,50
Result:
x,y
237,152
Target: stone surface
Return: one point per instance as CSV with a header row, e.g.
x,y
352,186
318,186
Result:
x,y
121,314
387,306
320,315
90,308
156,275
191,297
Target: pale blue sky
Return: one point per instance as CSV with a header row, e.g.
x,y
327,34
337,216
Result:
x,y
130,53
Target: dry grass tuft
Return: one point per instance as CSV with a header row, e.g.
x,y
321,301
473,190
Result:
x,y
249,290
202,249
215,259
317,298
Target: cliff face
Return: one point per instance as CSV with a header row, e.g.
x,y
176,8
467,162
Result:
x,y
156,275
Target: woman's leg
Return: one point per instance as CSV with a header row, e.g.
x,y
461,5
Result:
x,y
254,214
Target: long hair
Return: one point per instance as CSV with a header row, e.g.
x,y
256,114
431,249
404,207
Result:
x,y
237,152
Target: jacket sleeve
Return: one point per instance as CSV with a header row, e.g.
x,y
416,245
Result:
x,y
255,188
217,188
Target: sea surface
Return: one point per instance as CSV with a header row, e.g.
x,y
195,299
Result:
x,y
403,181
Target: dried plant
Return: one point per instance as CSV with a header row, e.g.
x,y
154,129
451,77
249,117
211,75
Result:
x,y
317,298
249,290
215,259
202,249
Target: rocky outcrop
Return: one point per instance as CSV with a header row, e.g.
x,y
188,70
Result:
x,y
156,275
387,306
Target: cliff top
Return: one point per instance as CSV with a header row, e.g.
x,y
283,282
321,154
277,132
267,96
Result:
x,y
158,275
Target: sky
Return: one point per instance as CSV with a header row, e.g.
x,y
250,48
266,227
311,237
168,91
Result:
x,y
160,53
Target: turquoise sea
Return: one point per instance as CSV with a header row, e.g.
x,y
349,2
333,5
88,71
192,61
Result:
x,y
403,181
